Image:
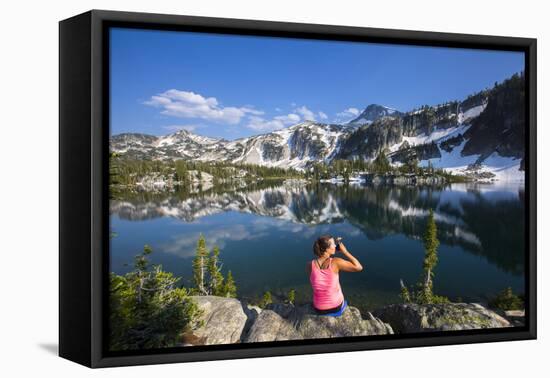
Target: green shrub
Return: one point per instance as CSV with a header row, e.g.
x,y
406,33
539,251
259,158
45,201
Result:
x,y
266,299
147,310
291,296
507,300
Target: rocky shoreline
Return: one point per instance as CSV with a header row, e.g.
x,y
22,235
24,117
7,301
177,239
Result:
x,y
228,321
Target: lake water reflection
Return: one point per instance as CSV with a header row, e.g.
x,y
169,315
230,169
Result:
x,y
266,234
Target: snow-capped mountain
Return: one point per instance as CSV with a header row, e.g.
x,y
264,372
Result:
x,y
292,147
408,130
372,113
484,131
179,145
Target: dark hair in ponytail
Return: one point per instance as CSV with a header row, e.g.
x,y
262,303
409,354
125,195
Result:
x,y
321,245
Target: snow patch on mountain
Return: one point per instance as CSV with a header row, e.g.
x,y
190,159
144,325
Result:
x,y
504,168
452,161
438,135
471,113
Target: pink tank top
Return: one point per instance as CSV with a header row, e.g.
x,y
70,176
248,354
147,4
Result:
x,y
327,292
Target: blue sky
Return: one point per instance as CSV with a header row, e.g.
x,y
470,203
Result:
x,y
236,86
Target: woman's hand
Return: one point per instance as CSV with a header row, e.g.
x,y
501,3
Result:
x,y
348,266
342,248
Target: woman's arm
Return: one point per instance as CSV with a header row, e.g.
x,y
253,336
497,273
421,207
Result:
x,y
353,265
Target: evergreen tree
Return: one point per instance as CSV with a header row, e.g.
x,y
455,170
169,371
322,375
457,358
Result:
x,y
266,299
291,296
405,294
412,165
146,309
423,294
229,288
215,286
115,178
200,267
381,164
430,258
507,300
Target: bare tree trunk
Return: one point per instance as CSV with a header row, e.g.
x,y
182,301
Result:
x,y
427,285
428,279
203,286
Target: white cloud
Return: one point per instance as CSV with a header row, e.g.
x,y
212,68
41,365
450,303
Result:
x,y
282,121
185,104
289,119
307,114
347,115
278,122
349,112
261,124
250,110
184,245
266,224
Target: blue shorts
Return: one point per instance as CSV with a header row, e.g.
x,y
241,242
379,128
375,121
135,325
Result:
x,y
339,312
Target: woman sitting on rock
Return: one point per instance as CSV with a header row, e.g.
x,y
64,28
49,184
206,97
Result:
x,y
328,298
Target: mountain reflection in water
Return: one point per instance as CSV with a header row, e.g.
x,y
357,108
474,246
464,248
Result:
x,y
266,231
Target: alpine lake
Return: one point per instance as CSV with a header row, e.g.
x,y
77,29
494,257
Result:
x,y
265,232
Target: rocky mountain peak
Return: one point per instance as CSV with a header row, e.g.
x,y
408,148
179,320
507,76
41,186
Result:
x,y
374,112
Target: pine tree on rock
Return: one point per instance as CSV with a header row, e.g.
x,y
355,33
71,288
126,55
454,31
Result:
x,y
216,284
229,288
291,296
430,258
200,266
266,299
423,292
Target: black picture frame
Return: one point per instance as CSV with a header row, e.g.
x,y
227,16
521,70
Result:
x,y
83,193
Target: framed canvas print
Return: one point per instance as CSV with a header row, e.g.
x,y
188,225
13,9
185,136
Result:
x,y
235,188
